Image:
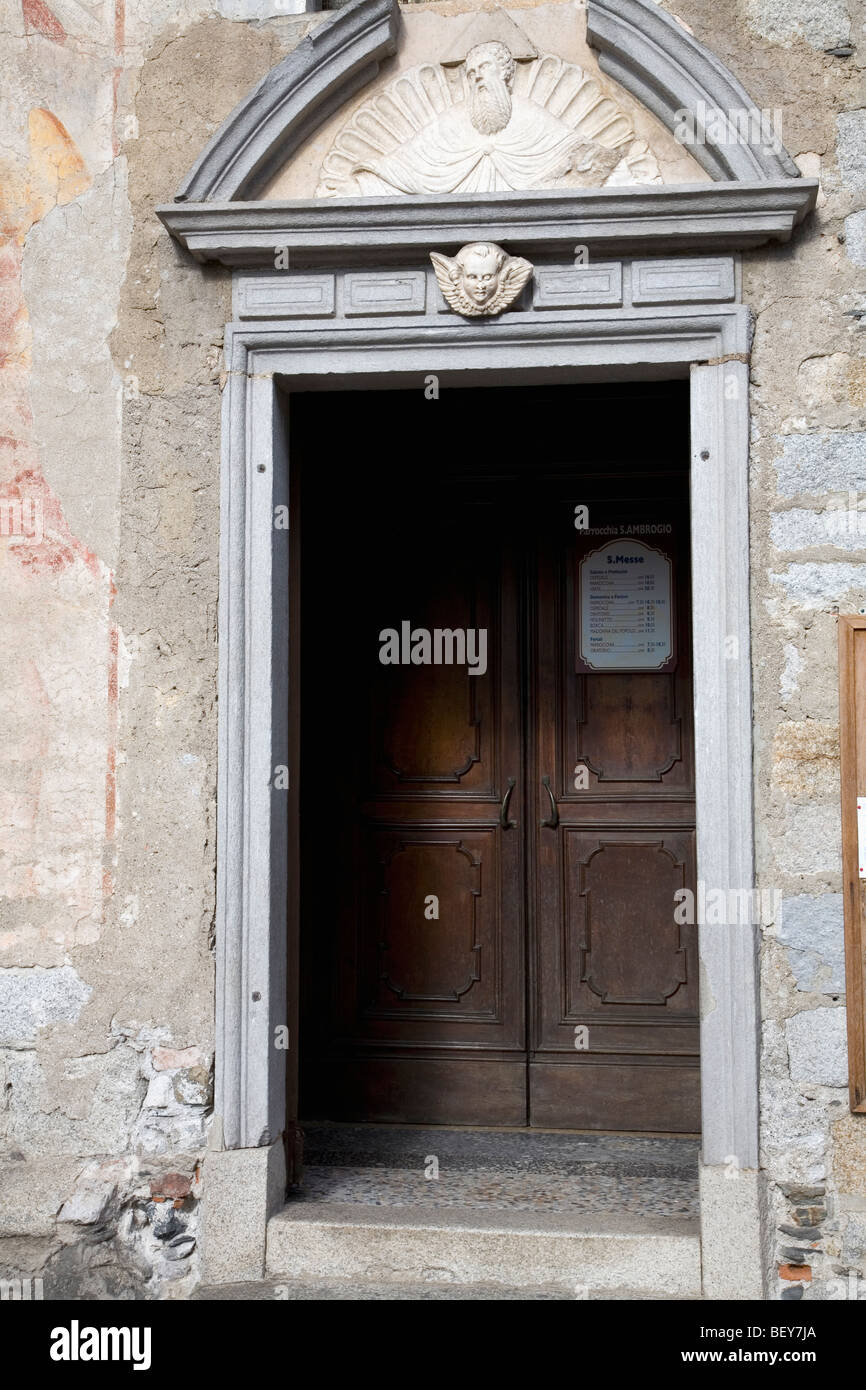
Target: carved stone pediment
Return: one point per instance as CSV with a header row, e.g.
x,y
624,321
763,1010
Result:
x,y
502,117
353,99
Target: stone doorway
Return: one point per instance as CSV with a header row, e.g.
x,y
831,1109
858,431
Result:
x,y
467,955
354,303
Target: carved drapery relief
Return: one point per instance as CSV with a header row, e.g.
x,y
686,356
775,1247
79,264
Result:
x,y
481,278
502,117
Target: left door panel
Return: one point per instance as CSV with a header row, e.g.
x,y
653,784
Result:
x,y
414,903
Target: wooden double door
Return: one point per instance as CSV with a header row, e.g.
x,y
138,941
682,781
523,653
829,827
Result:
x,y
492,846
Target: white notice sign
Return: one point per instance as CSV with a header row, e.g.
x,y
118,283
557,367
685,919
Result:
x,y
625,608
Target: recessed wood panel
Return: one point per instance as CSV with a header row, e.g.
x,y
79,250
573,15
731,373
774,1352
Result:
x,y
432,946
433,721
629,730
425,1090
623,945
429,725
662,1098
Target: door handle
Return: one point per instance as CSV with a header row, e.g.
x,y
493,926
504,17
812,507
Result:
x,y
553,821
503,810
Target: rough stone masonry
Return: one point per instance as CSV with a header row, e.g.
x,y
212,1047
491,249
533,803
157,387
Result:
x,y
110,372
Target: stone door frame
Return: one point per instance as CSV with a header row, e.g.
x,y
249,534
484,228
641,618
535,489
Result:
x,y
255,891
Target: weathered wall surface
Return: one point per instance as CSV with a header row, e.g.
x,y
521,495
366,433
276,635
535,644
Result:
x,y
110,342
805,59
110,365
808,522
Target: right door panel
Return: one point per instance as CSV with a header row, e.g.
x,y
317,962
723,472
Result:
x,y
612,975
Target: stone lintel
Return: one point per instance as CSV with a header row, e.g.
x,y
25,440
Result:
x,y
699,217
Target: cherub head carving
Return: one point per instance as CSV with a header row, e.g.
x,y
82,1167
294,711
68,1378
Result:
x,y
481,278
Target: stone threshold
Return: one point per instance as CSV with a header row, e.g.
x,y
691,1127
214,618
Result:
x,y
428,1291
325,1241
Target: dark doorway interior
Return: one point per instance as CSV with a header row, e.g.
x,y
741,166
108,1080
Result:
x,y
488,861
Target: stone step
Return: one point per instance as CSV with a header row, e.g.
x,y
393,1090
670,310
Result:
x,y
323,1241
428,1291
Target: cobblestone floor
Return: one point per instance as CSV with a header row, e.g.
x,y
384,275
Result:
x,y
507,1170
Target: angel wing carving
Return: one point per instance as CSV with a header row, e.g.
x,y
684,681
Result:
x,y
512,278
480,279
447,270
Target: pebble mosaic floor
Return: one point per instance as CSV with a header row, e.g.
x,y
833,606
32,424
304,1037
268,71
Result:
x,y
499,1170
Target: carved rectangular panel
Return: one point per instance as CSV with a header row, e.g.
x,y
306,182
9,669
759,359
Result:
x,y
285,295
380,293
577,287
707,280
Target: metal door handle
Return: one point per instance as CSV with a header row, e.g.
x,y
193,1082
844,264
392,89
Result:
x,y
503,810
553,822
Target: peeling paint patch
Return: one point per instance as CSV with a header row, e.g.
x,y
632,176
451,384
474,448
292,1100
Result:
x,y
57,595
38,16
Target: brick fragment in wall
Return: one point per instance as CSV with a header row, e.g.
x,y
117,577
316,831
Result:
x,y
172,1059
802,1273
813,931
171,1185
818,1046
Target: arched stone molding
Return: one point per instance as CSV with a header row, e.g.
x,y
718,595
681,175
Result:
x,y
332,63
655,58
639,45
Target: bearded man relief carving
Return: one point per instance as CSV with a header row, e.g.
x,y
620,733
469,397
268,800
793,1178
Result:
x,y
481,278
500,117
